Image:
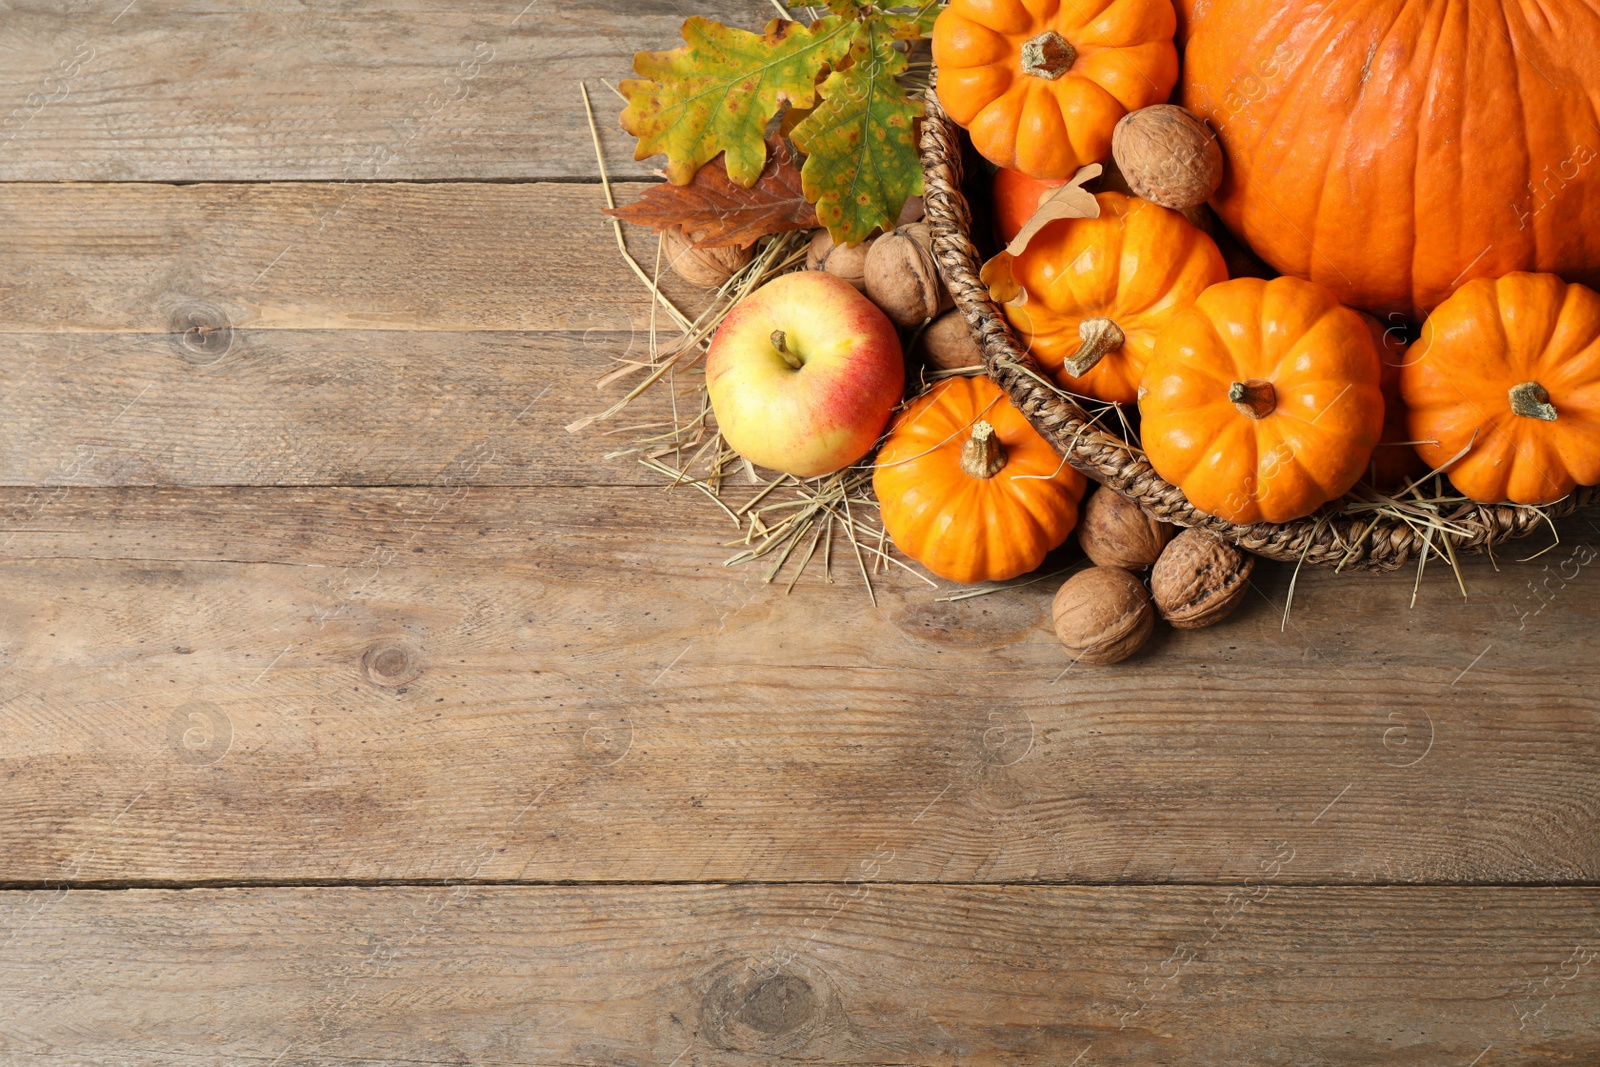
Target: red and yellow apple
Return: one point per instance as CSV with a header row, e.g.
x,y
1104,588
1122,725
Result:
x,y
804,373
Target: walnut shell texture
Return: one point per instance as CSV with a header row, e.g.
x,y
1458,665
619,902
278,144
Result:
x,y
1200,579
948,344
707,268
844,261
1116,532
902,277
1103,615
1168,156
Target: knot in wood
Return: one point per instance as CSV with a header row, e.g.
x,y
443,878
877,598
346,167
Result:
x,y
391,663
766,1006
200,332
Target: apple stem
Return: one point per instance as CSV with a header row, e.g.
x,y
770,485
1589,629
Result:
x,y
781,343
983,455
1255,399
1098,336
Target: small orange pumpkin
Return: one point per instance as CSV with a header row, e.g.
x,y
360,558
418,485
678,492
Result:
x,y
1089,296
969,489
1040,86
1016,197
1507,378
1263,401
1395,463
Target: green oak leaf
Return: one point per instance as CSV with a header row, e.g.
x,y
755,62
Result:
x,y
861,156
718,92
914,25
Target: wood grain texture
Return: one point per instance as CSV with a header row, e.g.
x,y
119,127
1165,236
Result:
x,y
280,685
743,975
344,407
235,259
177,90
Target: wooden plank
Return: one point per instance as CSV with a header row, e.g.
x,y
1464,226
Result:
x,y
177,90
237,259
335,684
299,334
345,407
725,976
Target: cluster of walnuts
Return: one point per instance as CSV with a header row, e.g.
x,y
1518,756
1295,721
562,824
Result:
x,y
1105,614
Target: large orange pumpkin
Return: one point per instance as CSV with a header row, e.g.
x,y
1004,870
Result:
x,y
968,488
1263,401
1040,84
1088,296
1508,372
1390,149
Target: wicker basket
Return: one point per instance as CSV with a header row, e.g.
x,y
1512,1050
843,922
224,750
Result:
x,y
1334,536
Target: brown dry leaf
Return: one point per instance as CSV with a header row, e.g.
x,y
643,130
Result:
x,y
1003,288
1071,201
716,212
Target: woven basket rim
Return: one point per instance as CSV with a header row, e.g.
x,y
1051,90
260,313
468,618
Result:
x,y
1333,536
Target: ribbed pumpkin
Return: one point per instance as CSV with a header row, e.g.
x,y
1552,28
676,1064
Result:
x,y
1040,84
1088,296
969,489
1263,401
1395,463
1389,149
1509,371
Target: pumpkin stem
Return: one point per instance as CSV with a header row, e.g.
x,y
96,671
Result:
x,y
1048,56
1255,398
781,343
1099,336
1532,402
983,455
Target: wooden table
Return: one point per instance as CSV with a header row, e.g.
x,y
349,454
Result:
x,y
355,713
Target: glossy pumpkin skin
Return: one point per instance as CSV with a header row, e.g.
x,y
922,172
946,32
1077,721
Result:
x,y
1323,369
1395,463
1486,339
1016,197
1122,58
1138,265
1390,148
968,529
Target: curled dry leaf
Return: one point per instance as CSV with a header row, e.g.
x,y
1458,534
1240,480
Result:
x,y
1070,201
717,212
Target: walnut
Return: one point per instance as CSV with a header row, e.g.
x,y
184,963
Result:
x,y
708,268
845,261
1167,156
1200,579
1103,615
948,343
902,277
1116,532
